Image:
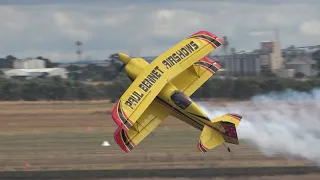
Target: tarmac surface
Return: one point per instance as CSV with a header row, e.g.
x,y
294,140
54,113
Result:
x,y
161,173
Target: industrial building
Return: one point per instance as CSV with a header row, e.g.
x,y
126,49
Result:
x,y
302,65
244,64
300,60
29,64
272,61
268,59
31,68
271,55
32,73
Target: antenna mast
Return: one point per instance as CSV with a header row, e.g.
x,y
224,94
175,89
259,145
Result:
x,y
79,50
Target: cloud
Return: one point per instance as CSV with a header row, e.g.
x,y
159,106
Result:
x,y
260,33
311,28
70,30
143,28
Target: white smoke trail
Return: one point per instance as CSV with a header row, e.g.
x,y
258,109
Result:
x,y
285,123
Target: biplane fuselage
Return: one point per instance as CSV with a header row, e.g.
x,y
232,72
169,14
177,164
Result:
x,y
163,88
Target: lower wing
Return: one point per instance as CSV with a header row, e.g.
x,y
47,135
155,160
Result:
x,y
195,76
148,121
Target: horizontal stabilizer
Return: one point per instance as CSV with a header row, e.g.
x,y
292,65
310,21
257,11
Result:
x,y
209,139
222,129
230,117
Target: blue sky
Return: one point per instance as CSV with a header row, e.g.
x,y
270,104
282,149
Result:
x,y
29,28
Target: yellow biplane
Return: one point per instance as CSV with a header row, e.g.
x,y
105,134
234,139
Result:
x,y
162,88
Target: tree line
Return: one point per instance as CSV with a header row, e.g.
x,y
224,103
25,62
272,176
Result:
x,y
94,72
73,88
55,88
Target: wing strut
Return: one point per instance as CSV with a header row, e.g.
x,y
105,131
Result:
x,y
198,70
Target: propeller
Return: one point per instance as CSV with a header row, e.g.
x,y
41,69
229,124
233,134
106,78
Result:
x,y
120,69
124,58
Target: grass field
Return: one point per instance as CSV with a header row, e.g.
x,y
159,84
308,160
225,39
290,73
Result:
x,y
68,135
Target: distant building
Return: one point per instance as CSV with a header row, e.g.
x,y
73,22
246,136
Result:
x,y
244,64
266,59
29,64
32,73
271,56
30,68
300,59
285,73
302,65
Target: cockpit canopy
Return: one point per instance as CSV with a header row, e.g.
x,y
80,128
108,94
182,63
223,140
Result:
x,y
180,99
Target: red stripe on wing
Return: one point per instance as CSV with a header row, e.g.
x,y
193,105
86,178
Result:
x,y
209,34
116,117
119,140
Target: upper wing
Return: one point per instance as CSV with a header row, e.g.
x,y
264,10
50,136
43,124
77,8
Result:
x,y
155,76
195,76
148,121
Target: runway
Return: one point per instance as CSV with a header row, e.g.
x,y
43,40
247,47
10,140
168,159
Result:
x,y
162,173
